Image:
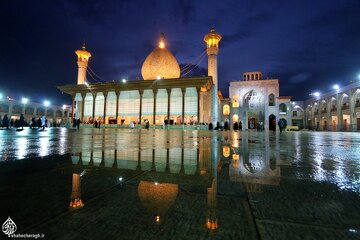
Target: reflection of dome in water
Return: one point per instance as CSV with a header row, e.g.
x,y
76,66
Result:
x,y
160,63
157,198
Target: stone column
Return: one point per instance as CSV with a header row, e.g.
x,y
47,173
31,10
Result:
x,y
168,107
339,113
141,92
183,91
117,106
105,100
83,95
72,108
93,108
198,104
352,98
154,113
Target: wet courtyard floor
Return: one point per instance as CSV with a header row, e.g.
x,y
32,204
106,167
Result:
x,y
175,184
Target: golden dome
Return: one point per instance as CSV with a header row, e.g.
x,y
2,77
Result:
x,y
157,197
160,63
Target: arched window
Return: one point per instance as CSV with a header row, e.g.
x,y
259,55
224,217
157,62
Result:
x,y
235,118
226,110
282,108
235,101
271,99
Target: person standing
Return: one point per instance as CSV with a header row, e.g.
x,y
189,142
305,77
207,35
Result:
x,y
78,123
43,122
22,121
6,121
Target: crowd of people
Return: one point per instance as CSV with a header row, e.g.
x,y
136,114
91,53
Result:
x,y
20,123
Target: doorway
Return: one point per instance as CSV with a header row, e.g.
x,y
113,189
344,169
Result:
x,y
272,122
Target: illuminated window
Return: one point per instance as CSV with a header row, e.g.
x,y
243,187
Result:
x,y
191,101
88,106
161,102
148,103
235,118
226,110
129,103
176,102
99,104
235,101
111,104
282,108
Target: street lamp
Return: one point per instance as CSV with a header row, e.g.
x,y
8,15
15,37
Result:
x,y
123,80
64,107
24,100
336,87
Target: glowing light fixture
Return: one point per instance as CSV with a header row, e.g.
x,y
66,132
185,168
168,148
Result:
x,y
123,80
46,103
24,100
158,77
156,183
120,179
64,106
336,87
359,76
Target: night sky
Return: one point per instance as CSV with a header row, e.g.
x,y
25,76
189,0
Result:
x,y
308,45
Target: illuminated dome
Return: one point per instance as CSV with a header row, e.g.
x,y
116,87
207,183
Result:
x,y
157,198
160,63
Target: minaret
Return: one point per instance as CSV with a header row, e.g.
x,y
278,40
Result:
x,y
212,40
83,58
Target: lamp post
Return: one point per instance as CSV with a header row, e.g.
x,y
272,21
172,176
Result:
x,y
24,102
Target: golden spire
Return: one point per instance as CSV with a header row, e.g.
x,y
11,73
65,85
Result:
x,y
162,40
212,39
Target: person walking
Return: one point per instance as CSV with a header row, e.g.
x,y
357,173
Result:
x,y
281,125
240,126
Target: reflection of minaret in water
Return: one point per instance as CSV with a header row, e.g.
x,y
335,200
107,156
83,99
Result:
x,y
211,220
75,198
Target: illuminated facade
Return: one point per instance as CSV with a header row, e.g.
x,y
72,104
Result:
x,y
14,108
163,98
338,110
254,100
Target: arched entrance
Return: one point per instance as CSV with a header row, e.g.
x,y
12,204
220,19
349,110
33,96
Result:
x,y
272,122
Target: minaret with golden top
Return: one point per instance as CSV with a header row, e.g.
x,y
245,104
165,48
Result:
x,y
83,59
212,40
